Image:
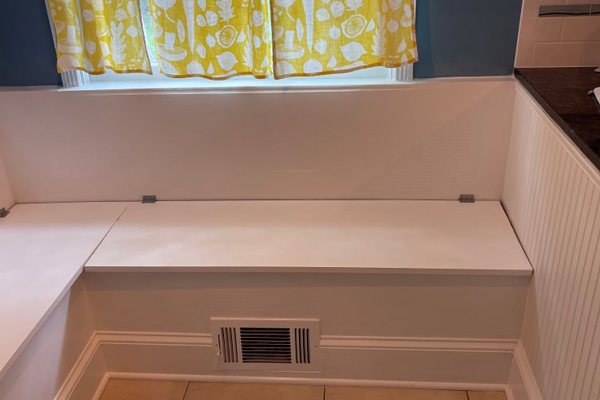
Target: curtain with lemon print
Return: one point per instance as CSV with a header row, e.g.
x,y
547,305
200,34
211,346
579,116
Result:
x,y
214,39
96,35
317,37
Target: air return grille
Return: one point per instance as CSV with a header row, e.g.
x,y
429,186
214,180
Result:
x,y
274,345
266,345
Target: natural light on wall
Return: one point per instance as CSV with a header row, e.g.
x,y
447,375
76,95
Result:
x,y
147,42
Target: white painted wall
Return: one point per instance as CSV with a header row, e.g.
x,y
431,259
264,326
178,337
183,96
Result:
x,y
432,140
6,195
552,196
347,304
41,369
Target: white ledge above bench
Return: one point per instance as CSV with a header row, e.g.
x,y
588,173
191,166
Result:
x,y
417,237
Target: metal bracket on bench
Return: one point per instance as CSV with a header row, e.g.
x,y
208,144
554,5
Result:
x,y
149,199
466,198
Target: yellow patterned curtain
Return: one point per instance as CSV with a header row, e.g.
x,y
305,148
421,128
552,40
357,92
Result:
x,y
215,39
219,39
317,37
96,35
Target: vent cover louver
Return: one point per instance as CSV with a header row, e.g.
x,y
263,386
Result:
x,y
302,339
228,345
266,345
274,345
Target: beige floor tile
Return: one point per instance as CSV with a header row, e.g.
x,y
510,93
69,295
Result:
x,y
119,389
233,391
356,393
486,395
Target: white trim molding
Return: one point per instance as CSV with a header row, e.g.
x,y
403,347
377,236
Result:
x,y
98,338
79,369
522,384
400,343
165,356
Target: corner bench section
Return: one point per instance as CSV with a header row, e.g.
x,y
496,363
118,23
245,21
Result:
x,y
44,248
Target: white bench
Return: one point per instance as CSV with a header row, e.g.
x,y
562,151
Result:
x,y
422,237
43,250
45,247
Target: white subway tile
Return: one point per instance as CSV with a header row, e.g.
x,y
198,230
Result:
x,y
581,29
526,40
548,29
583,1
591,54
531,8
557,54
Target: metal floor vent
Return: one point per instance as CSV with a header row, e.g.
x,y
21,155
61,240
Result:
x,y
273,345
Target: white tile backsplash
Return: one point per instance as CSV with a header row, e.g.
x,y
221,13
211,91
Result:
x,y
583,2
531,8
591,54
553,2
557,54
548,29
557,41
526,40
581,29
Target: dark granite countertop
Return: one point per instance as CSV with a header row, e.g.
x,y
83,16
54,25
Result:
x,y
562,93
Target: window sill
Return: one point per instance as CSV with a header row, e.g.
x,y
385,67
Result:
x,y
233,86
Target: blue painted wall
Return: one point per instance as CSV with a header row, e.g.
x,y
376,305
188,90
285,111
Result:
x,y
455,38
466,37
27,56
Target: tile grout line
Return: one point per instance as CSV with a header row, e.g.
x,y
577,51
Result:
x,y
186,390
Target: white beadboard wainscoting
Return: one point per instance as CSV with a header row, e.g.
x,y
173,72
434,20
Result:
x,y
552,196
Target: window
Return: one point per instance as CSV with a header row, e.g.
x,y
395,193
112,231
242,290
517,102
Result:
x,y
371,76
112,80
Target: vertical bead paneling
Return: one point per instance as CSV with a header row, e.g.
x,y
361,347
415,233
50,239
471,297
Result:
x,y
552,196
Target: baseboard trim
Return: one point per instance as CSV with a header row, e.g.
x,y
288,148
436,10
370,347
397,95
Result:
x,y
158,338
327,341
79,369
100,389
310,381
526,388
400,343
333,344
